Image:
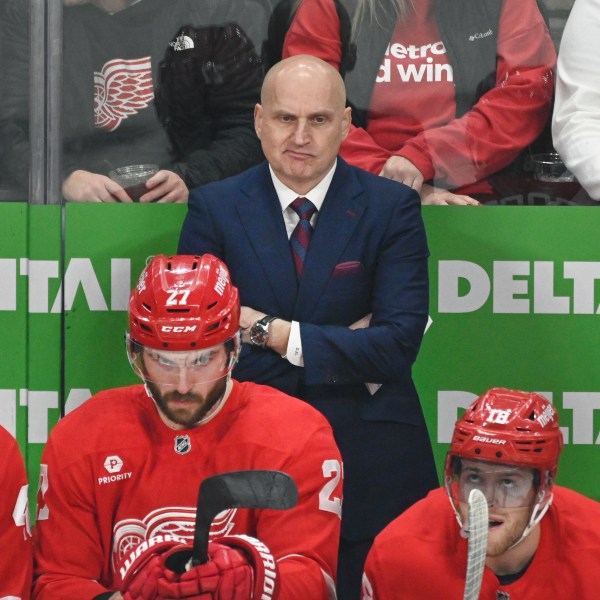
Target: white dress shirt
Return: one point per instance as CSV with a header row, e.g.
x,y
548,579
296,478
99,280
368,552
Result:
x,y
286,197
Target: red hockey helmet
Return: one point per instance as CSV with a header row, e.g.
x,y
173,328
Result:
x,y
183,303
512,428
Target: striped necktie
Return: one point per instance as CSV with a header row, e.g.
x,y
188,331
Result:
x,y
302,233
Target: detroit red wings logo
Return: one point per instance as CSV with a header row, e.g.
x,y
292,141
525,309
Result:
x,y
173,520
121,89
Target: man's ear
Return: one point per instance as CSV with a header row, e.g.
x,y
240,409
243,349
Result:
x,y
258,111
346,122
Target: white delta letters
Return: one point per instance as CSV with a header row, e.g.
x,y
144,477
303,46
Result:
x,y
40,406
518,287
50,291
581,405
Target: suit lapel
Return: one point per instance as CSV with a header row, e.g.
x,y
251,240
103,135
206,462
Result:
x,y
340,214
260,214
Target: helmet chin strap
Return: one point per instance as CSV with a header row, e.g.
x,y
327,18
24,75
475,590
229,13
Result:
x,y
539,510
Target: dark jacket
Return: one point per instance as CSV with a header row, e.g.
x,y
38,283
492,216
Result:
x,y
368,254
200,123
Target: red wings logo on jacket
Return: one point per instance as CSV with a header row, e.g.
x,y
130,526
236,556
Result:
x,y
172,520
121,89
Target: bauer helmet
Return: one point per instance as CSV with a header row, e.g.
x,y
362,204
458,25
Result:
x,y
508,427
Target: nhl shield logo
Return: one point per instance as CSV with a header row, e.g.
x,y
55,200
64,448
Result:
x,y
182,444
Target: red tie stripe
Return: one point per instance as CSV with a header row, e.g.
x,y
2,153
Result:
x,y
302,233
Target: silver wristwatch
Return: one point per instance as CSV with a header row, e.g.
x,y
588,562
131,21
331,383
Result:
x,y
259,332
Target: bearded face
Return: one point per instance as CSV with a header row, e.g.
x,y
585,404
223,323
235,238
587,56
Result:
x,y
186,386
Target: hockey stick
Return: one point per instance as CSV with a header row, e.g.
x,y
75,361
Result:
x,y
238,489
477,546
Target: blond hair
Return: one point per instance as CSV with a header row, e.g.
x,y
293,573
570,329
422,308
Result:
x,y
377,11
372,11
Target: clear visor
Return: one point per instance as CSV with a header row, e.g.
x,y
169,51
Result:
x,y
188,367
504,486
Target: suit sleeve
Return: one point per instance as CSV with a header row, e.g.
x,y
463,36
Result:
x,y
199,235
386,350
69,556
576,122
15,535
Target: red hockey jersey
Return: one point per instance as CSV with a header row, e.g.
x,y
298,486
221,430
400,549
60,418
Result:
x,y
422,555
15,534
114,474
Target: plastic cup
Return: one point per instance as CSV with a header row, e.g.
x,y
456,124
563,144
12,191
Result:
x,y
553,178
550,167
132,179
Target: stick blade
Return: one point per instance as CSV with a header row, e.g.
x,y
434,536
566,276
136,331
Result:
x,y
477,546
264,489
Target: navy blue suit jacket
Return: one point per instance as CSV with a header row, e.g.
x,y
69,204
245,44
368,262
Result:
x,y
368,254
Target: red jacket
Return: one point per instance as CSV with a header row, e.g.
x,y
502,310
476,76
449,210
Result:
x,y
15,535
421,555
456,153
116,475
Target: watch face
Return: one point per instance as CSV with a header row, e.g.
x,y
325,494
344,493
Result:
x,y
259,332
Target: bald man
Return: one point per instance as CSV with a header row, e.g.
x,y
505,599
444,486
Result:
x,y
331,265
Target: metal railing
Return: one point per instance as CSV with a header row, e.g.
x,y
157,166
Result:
x,y
45,114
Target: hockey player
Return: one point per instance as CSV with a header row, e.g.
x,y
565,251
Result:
x,y
543,540
15,532
121,473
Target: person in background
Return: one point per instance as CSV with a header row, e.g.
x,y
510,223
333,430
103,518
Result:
x,y
112,514
446,96
144,82
543,539
15,530
576,117
331,264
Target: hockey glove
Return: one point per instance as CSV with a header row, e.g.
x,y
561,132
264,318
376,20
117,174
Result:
x,y
238,568
142,568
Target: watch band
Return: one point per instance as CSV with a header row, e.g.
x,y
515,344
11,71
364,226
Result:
x,y
259,332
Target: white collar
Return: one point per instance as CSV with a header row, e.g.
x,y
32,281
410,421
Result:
x,y
317,195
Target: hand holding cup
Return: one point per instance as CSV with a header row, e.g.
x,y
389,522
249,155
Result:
x,y
132,178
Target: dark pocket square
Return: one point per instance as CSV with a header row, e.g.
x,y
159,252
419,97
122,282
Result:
x,y
346,268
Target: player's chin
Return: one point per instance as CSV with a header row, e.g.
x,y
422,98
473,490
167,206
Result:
x,y
496,543
183,411
501,538
498,547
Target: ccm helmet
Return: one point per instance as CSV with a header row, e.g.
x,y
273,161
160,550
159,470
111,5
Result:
x,y
183,303
182,312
